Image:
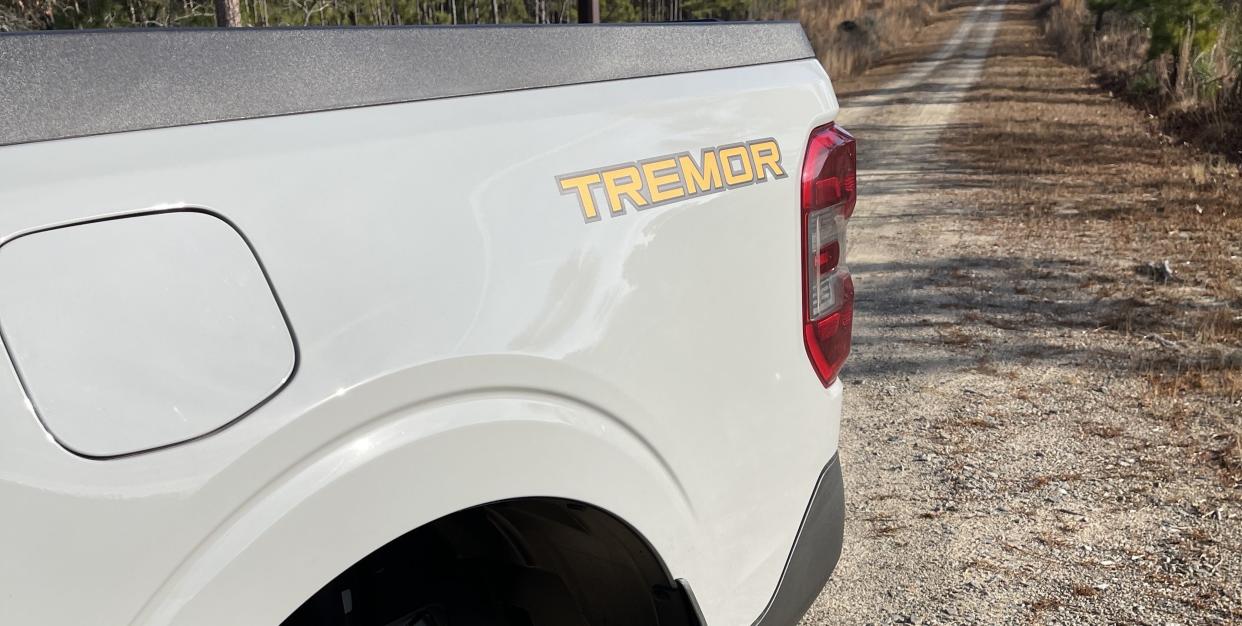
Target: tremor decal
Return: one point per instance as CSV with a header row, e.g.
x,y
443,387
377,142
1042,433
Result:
x,y
672,177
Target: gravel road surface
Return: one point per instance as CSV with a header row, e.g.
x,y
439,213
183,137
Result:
x,y
1002,464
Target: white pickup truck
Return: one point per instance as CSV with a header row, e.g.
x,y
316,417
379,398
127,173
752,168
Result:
x,y
424,327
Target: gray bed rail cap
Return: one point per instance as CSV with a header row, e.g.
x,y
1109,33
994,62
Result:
x,y
56,85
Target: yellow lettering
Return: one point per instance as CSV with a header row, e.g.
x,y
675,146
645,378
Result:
x,y
669,178
582,185
700,179
767,157
623,181
726,161
659,175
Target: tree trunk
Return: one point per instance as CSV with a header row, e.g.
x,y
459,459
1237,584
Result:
x,y
588,11
495,11
228,13
1183,63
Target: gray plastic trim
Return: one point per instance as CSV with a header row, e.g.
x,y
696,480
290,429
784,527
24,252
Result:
x,y
70,84
815,552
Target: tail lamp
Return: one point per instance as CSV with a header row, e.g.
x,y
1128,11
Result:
x,y
829,193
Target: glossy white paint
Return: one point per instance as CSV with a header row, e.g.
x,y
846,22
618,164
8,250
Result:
x,y
464,337
136,333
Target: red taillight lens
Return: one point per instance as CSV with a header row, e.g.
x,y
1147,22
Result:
x,y
829,173
829,193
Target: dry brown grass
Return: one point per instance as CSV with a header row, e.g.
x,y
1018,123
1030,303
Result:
x,y
1226,452
848,35
1051,540
1045,604
1120,46
1173,377
1085,591
956,336
1094,192
977,422
1221,325
1040,482
883,525
1079,177
1103,431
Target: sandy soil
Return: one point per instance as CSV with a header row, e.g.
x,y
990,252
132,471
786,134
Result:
x,y
1035,431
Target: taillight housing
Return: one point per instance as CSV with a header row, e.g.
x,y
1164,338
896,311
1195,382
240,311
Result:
x,y
829,193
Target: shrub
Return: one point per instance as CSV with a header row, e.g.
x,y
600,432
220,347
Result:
x,y
848,35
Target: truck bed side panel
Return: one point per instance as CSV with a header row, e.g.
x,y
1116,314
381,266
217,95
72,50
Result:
x,y
403,236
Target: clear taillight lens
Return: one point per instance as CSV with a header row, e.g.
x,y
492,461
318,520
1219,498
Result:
x,y
829,193
825,239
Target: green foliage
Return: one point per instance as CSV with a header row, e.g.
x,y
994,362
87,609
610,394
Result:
x,y
1203,39
1170,22
1233,52
1144,84
1099,6
616,11
717,9
1208,83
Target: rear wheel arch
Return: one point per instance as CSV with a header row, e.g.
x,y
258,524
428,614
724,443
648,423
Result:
x,y
521,562
404,470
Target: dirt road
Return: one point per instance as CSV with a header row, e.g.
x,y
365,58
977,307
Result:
x,y
1005,461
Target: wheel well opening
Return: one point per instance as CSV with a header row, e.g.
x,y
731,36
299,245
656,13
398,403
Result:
x,y
528,562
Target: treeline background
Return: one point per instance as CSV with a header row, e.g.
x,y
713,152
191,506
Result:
x,y
848,34
62,14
